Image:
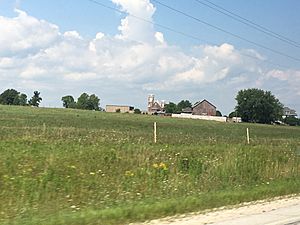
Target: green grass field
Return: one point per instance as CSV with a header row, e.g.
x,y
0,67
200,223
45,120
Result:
x,y
60,166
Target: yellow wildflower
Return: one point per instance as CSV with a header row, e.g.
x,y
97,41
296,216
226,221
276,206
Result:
x,y
129,173
163,166
155,165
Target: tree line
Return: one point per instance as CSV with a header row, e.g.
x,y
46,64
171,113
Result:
x,y
13,97
84,101
253,105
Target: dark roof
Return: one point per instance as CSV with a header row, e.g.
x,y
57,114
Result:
x,y
187,110
204,100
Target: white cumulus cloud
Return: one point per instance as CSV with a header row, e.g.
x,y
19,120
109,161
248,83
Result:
x,y
25,34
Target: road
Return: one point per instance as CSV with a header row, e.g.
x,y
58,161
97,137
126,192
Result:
x,y
283,211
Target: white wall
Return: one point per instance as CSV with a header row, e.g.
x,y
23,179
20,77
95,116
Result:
x,y
190,116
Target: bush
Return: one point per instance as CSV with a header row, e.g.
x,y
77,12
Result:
x,y
292,121
137,111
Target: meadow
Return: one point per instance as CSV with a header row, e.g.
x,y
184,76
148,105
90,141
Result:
x,y
60,166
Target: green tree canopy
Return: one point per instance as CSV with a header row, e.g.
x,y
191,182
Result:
x,y
88,102
82,101
183,104
35,99
137,111
292,121
218,113
233,114
68,101
13,97
93,102
258,106
22,99
171,108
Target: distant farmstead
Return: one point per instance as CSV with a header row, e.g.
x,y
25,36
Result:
x,y
155,106
120,108
202,110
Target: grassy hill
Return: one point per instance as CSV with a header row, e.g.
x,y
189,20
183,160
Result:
x,y
60,166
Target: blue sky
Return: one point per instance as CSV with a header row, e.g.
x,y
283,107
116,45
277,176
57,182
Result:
x,y
67,47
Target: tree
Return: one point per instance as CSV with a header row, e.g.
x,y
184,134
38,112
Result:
x,y
22,99
93,102
218,113
35,99
233,114
82,101
88,102
68,101
258,106
9,97
292,121
137,111
13,97
183,104
171,108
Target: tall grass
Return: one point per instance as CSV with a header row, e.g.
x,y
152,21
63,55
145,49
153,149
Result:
x,y
85,167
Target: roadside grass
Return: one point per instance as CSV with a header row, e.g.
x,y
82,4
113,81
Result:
x,y
60,166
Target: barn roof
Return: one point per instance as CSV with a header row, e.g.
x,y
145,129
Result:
x,y
204,100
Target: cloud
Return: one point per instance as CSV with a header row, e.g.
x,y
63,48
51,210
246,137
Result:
x,y
25,35
132,28
289,77
284,75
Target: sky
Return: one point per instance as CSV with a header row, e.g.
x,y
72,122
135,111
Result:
x,y
69,47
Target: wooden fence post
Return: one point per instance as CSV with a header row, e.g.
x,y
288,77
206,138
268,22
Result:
x,y
248,136
155,137
44,128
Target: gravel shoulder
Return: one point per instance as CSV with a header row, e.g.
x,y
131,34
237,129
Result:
x,y
276,211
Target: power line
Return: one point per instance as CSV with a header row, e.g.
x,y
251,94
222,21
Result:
x,y
177,32
248,22
149,21
225,31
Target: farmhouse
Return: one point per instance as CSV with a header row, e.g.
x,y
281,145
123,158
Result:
x,y
289,112
155,106
204,108
119,108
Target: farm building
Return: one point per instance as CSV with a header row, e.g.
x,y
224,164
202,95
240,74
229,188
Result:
x,y
204,108
155,106
289,112
119,108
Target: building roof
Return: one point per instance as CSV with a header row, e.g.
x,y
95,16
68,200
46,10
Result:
x,y
187,110
289,112
120,105
204,100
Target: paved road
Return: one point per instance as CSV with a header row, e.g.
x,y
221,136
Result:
x,y
288,215
277,212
